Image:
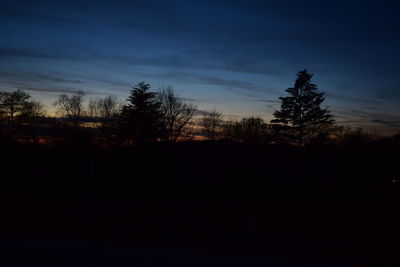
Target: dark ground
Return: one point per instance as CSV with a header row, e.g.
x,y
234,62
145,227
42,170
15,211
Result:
x,y
200,204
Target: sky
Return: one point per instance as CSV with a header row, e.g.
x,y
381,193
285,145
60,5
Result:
x,y
237,57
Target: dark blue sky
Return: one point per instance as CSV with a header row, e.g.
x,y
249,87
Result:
x,y
235,56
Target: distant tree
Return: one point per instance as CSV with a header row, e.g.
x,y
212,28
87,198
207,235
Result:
x,y
253,130
31,112
32,118
12,104
228,130
103,114
104,109
175,114
34,109
71,108
211,124
93,110
301,116
140,119
356,136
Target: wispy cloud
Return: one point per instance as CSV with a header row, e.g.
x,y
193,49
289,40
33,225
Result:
x,y
7,52
32,76
264,100
56,90
393,123
198,79
189,99
371,119
368,101
32,14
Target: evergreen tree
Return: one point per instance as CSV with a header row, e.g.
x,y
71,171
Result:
x,y
301,115
141,118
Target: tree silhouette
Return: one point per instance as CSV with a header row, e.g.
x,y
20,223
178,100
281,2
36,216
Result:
x,y
32,110
211,123
13,104
71,107
32,118
103,114
301,115
140,119
250,130
253,130
176,114
103,110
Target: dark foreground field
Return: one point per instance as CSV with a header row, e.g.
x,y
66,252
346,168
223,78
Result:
x,y
200,204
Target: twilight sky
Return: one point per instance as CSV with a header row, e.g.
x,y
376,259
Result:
x,y
235,56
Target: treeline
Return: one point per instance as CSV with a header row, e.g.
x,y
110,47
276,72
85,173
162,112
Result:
x,y
164,116
237,163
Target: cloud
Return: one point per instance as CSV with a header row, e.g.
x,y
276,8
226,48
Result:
x,y
55,90
362,118
31,76
189,99
27,52
59,90
47,13
389,92
199,112
264,100
395,123
369,101
373,108
199,79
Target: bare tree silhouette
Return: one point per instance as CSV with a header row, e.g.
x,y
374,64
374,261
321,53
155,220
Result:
x,y
248,130
176,114
71,108
103,114
13,104
252,130
104,109
211,125
32,119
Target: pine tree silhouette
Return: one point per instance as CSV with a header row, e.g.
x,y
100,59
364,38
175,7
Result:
x,y
301,114
141,118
